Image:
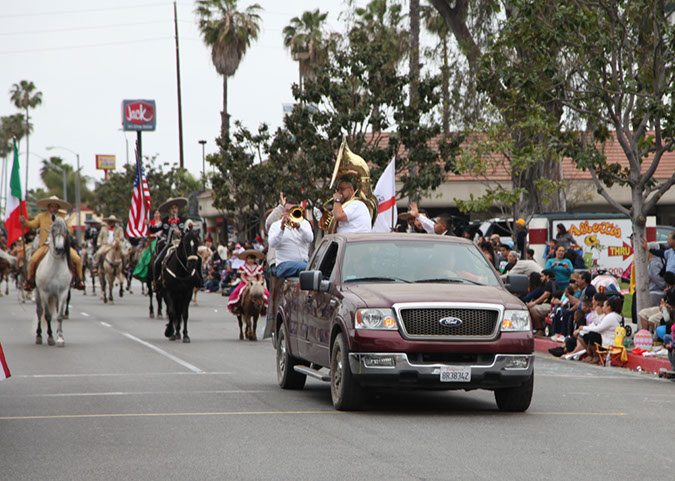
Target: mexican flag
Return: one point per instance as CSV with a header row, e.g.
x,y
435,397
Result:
x,y
4,370
15,206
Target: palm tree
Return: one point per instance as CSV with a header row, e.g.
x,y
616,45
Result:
x,y
304,37
434,23
24,96
11,126
229,33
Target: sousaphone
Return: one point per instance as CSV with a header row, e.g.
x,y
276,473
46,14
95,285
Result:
x,y
348,163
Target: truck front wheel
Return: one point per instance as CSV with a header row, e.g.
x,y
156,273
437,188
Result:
x,y
345,392
515,399
287,377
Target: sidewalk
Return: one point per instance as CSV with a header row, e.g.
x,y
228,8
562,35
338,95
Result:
x,y
647,364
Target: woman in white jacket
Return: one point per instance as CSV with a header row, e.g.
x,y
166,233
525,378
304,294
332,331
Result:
x,y
602,333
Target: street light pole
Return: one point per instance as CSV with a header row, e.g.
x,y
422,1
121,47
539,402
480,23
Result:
x,y
203,142
78,205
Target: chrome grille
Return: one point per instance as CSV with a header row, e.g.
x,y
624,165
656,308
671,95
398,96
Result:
x,y
425,322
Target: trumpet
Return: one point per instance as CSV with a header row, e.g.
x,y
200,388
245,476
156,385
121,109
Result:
x,y
295,217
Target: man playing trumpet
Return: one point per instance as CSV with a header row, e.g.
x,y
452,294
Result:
x,y
291,237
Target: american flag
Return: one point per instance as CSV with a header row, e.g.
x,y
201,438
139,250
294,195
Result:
x,y
140,204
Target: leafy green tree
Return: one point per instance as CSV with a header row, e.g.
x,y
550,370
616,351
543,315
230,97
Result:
x,y
304,38
228,32
614,73
114,195
506,101
246,184
24,96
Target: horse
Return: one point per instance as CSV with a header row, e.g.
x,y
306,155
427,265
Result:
x,y
205,253
150,281
180,273
7,262
19,274
88,265
52,282
133,255
111,270
252,304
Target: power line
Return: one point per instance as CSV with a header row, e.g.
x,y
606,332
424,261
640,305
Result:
x,y
65,12
94,27
9,52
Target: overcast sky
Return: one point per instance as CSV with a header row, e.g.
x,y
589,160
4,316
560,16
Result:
x,y
86,56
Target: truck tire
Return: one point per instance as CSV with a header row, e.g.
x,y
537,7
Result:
x,y
287,377
345,392
515,399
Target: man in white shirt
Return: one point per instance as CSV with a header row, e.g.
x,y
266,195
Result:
x,y
353,217
291,244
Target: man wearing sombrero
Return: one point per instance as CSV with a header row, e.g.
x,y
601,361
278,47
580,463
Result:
x,y
171,226
172,223
109,233
43,222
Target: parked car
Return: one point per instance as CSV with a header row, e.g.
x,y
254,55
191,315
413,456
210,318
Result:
x,y
404,311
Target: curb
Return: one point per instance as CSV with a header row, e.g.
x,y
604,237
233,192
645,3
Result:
x,y
635,362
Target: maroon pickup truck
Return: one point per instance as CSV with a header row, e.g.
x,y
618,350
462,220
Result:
x,y
404,311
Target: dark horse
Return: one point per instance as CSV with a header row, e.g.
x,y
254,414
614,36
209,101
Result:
x,y
180,273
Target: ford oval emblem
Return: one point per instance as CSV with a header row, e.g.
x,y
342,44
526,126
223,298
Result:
x,y
450,322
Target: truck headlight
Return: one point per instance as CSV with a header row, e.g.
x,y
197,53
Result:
x,y
516,321
381,319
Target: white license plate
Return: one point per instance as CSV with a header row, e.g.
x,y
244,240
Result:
x,y
455,374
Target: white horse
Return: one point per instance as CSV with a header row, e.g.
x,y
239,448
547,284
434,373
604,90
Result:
x,y
52,282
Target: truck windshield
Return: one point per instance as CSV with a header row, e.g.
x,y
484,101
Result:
x,y
410,261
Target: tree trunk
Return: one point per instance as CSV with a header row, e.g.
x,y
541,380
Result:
x,y
640,256
224,116
414,52
445,73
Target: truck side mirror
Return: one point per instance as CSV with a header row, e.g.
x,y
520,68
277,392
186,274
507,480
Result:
x,y
313,281
516,284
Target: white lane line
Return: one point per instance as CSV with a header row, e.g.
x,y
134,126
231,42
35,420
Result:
x,y
163,352
85,314
119,374
178,360
130,393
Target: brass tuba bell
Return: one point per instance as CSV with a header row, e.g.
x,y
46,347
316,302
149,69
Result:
x,y
348,163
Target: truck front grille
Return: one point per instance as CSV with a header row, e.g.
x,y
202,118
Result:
x,y
425,322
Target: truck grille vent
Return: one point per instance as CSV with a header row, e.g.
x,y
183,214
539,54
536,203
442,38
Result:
x,y
425,322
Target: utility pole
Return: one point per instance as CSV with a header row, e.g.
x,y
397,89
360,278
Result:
x,y
203,142
180,109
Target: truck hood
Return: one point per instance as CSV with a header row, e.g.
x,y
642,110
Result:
x,y
387,294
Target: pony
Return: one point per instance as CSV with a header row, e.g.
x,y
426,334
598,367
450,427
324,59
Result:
x,y
179,274
252,304
111,270
52,283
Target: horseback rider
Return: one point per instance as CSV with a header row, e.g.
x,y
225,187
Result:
x,y
172,226
110,233
43,222
92,231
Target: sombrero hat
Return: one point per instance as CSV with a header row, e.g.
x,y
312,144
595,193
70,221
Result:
x,y
251,252
179,201
112,218
44,203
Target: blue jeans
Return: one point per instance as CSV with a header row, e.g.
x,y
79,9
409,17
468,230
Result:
x,y
290,269
212,285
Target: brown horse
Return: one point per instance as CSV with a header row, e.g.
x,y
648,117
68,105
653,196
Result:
x,y
252,305
111,270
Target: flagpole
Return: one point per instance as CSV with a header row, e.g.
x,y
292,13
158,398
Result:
x,y
21,214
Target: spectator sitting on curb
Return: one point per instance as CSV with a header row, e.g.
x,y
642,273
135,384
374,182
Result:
x,y
539,300
592,309
603,333
524,267
651,317
571,344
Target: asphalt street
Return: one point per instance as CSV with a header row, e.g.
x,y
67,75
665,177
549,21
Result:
x,y
121,402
